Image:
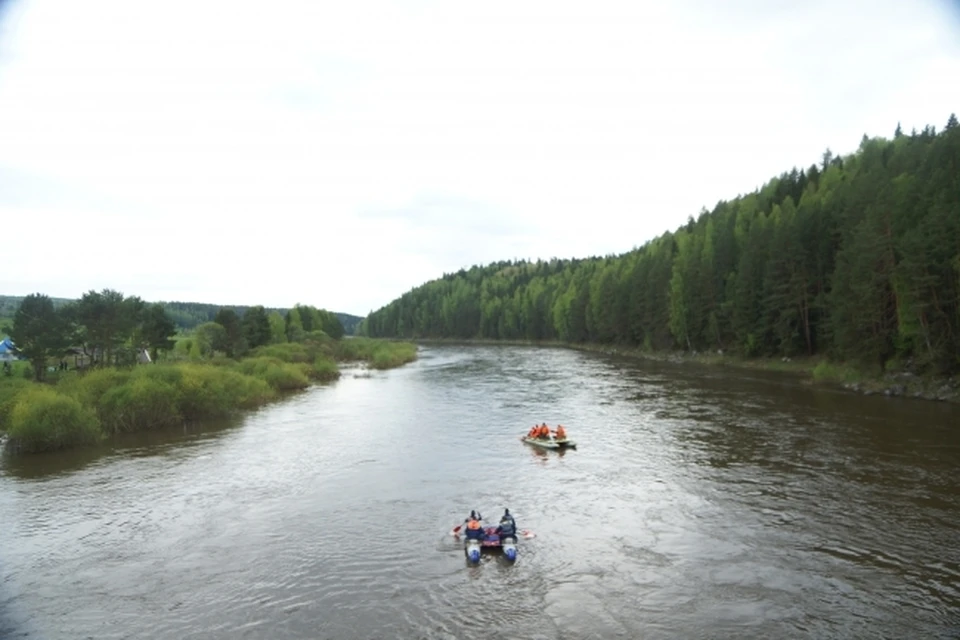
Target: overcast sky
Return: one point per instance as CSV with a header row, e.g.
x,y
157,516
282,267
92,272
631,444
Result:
x,y
340,153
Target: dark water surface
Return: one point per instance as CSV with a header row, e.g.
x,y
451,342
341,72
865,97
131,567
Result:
x,y
701,503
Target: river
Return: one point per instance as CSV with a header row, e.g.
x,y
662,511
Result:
x,y
701,503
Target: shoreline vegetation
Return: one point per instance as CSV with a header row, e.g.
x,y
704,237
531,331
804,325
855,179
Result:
x,y
847,271
215,371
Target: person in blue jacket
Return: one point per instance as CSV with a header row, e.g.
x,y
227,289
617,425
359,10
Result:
x,y
507,527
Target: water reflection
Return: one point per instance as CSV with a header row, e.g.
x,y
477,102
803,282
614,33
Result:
x,y
52,463
160,442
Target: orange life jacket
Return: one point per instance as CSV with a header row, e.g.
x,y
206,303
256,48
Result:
x,y
544,431
473,524
561,432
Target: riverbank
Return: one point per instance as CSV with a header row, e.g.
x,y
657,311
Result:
x,y
810,369
86,408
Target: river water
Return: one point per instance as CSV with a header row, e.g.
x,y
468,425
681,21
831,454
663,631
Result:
x,y
700,503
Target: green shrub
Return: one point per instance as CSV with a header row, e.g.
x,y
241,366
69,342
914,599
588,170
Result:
x,y
282,376
207,391
141,403
286,352
89,387
258,366
246,392
182,347
324,369
169,374
203,392
43,419
11,389
381,354
287,377
829,372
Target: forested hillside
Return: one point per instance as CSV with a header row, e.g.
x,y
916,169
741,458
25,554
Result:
x,y
857,258
186,315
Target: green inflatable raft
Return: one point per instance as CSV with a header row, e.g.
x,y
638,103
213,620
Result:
x,y
551,443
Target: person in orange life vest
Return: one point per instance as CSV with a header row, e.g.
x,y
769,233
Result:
x,y
534,431
474,531
544,431
561,433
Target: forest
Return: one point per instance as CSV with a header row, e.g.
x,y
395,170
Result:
x,y
855,259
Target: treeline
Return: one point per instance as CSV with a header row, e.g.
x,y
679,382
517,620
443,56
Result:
x,y
856,258
185,315
234,335
109,328
188,315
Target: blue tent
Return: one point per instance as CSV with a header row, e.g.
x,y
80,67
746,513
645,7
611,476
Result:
x,y
7,350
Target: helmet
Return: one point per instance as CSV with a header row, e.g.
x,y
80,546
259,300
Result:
x,y
506,512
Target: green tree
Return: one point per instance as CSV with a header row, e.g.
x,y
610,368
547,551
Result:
x,y
157,330
278,327
331,325
38,332
210,337
236,342
256,326
295,329
105,320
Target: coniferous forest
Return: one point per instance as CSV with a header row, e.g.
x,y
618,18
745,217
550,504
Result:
x,y
856,258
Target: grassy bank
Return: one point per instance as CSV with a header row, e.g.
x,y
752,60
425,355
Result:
x,y
86,408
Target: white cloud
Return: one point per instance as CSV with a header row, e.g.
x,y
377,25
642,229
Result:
x,y
341,153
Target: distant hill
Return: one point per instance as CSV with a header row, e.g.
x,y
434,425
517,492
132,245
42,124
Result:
x,y
185,314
